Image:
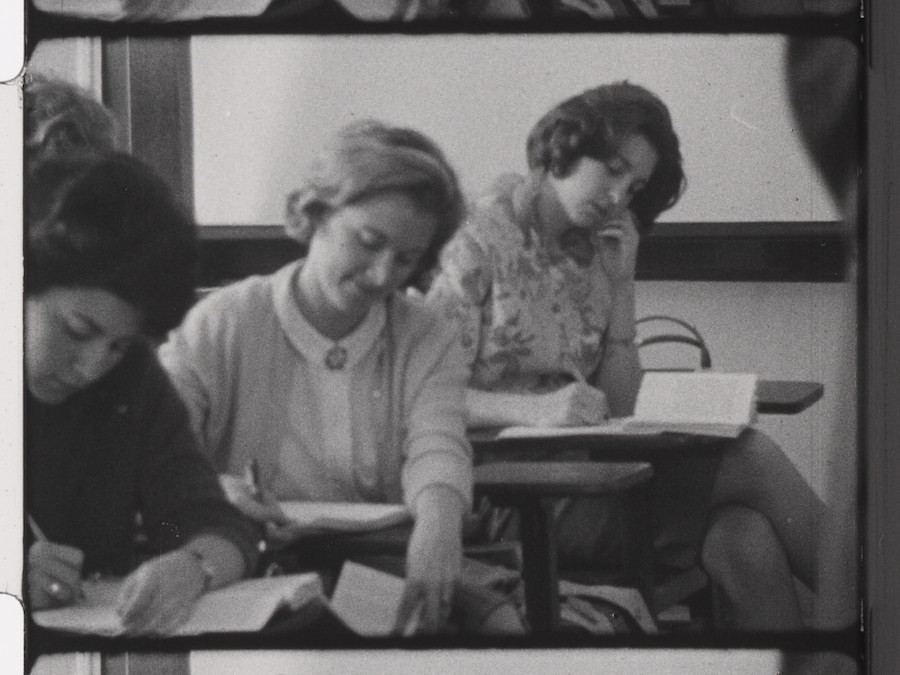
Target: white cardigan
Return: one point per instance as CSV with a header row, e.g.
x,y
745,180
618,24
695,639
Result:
x,y
242,363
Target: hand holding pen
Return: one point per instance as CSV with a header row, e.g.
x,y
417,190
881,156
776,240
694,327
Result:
x,y
248,495
53,571
583,404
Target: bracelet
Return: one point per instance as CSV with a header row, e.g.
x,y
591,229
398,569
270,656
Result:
x,y
209,572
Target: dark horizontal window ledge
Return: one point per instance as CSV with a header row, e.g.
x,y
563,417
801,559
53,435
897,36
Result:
x,y
758,251
763,251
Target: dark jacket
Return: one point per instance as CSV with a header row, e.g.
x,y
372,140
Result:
x,y
123,446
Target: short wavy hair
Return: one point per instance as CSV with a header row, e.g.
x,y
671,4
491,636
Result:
x,y
61,119
594,123
367,158
112,224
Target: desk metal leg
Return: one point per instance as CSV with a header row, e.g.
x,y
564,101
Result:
x,y
539,564
638,553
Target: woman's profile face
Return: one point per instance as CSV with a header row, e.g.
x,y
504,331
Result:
x,y
595,190
73,337
364,251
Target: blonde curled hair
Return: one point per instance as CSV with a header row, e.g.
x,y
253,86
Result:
x,y
368,158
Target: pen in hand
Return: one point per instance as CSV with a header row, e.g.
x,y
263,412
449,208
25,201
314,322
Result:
x,y
58,562
251,475
590,406
35,529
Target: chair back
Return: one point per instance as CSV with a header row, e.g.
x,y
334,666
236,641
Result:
x,y
687,334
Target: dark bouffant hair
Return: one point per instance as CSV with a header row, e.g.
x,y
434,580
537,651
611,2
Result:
x,y
594,123
111,223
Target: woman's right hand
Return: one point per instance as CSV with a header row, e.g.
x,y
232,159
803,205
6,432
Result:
x,y
259,504
262,506
54,574
618,245
576,404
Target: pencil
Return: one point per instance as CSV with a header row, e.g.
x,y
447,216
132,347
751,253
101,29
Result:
x,y
571,366
412,623
40,536
35,529
252,476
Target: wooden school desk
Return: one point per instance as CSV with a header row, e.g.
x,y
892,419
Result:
x,y
528,486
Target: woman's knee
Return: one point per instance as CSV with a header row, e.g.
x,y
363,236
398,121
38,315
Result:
x,y
753,469
741,541
753,448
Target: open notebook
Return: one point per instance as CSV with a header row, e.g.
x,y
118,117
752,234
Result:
x,y
710,404
345,516
365,600
245,606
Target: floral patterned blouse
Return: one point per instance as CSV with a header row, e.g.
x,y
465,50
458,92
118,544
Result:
x,y
530,315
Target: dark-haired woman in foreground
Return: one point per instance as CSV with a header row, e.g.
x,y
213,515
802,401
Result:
x,y
541,281
109,268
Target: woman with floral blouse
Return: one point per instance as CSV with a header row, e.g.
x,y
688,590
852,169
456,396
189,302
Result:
x,y
541,281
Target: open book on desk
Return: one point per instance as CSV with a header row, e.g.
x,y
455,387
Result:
x,y
245,606
703,403
345,516
365,601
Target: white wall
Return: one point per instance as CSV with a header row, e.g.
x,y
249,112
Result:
x,y
76,60
264,105
781,331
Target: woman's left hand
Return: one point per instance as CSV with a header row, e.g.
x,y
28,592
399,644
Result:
x,y
433,561
618,243
160,594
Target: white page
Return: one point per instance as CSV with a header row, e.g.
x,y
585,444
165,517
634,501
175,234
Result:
x,y
345,516
248,605
617,426
706,398
169,10
245,606
367,600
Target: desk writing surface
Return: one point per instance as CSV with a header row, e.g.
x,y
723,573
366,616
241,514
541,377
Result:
x,y
628,448
782,397
786,397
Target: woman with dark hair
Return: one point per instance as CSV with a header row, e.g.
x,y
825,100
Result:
x,y
339,385
541,282
107,441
